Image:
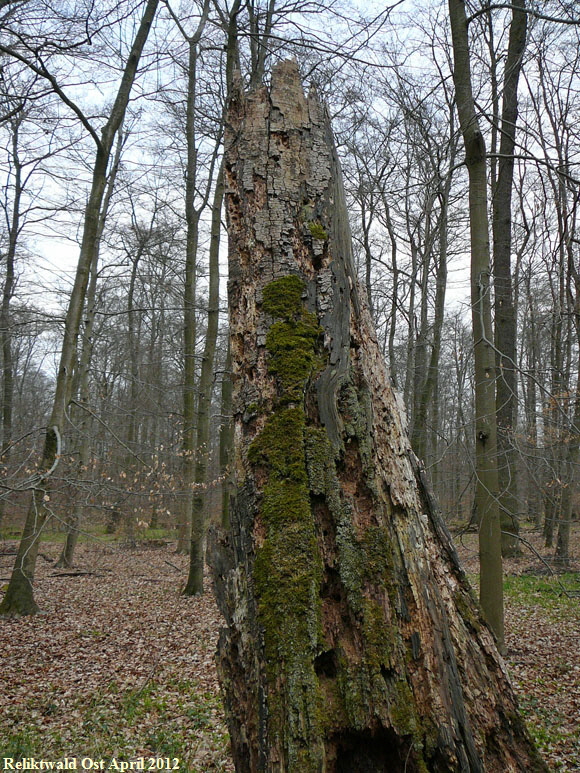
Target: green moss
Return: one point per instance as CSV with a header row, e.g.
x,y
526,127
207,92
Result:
x,y
299,461
317,230
323,480
287,581
365,562
354,690
283,297
368,559
356,410
403,709
378,553
467,605
380,639
280,445
293,356
366,688
288,569
292,340
319,459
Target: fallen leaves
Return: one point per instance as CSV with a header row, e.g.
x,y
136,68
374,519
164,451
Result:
x,y
121,665
542,615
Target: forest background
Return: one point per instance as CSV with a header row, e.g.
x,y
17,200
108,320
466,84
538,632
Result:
x,y
143,441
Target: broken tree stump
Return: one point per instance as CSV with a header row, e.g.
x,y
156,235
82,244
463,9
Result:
x,y
353,641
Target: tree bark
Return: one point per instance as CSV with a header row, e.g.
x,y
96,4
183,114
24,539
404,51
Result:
x,y
84,420
226,442
353,641
428,388
192,218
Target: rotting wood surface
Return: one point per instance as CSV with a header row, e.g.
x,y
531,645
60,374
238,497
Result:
x,y
352,641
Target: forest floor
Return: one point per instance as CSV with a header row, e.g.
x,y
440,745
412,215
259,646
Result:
x,y
121,666
542,626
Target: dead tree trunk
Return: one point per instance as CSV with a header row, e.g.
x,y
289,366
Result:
x,y
353,641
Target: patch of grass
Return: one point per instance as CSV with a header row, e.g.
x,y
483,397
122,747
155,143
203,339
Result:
x,y
158,533
545,726
88,534
21,743
164,741
201,709
546,591
137,703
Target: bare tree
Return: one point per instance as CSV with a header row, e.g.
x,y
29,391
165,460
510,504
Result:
x,y
194,583
487,485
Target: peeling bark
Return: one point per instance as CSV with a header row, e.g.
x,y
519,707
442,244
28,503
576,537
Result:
x,y
352,638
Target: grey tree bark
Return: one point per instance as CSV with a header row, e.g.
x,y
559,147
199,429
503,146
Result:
x,y
84,419
352,639
193,213
5,308
226,442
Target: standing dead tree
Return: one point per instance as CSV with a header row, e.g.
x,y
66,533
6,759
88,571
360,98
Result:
x,y
353,641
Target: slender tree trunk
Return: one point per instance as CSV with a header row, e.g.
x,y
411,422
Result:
x,y
487,486
19,598
562,553
189,336
194,583
192,218
534,499
394,290
411,340
353,642
553,420
84,421
428,389
84,424
5,312
366,224
421,359
505,313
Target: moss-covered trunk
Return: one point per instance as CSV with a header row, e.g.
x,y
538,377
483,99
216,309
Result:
x,y
353,641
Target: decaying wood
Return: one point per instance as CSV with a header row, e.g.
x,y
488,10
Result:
x,y
353,641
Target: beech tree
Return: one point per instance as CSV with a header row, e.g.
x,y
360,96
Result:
x,y
487,483
504,307
353,641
